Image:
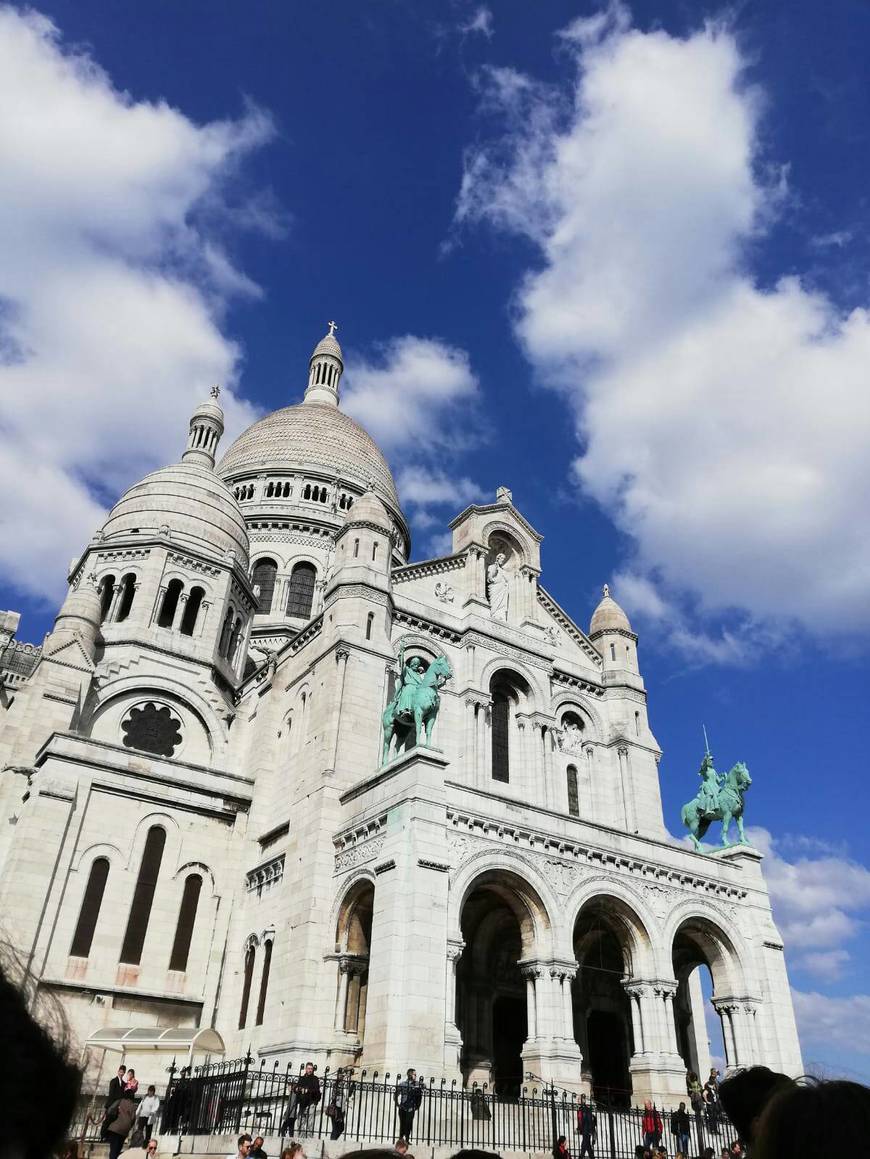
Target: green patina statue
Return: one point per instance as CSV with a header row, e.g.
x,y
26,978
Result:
x,y
410,715
720,798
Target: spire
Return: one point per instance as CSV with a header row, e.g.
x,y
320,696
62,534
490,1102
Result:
x,y
206,428
325,369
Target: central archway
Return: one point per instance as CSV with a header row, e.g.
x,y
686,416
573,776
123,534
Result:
x,y
501,920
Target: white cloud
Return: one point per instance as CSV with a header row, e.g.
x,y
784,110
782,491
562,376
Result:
x,y
112,287
480,22
824,1021
819,903
723,424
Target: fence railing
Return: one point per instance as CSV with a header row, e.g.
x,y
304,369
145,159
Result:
x,y
232,1097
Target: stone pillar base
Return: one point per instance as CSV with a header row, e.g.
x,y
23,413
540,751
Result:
x,y
557,1061
659,1077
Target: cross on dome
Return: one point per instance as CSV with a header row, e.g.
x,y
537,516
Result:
x,y
215,392
333,326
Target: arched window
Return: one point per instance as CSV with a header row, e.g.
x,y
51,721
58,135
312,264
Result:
x,y
573,793
374,551
370,620
235,639
143,896
106,591
186,919
128,590
170,603
300,596
265,571
191,610
223,646
612,651
264,982
356,549
501,715
90,911
250,959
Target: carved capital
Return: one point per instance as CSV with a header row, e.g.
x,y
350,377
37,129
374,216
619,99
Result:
x,y
531,970
342,654
454,951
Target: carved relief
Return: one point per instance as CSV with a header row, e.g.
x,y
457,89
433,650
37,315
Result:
x,y
444,593
358,854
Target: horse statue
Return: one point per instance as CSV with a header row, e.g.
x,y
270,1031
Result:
x,y
720,799
409,717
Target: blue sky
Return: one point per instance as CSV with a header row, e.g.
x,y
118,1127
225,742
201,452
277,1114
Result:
x,y
615,258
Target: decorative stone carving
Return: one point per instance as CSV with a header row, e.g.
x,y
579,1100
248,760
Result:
x,y
498,588
444,592
358,854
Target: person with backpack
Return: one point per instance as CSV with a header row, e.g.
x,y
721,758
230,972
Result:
x,y
120,1117
587,1124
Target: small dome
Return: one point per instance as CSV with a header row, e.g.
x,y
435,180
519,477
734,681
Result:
x,y
328,344
608,616
81,603
369,509
210,409
189,501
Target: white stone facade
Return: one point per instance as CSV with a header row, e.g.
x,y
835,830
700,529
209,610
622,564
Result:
x,y
197,829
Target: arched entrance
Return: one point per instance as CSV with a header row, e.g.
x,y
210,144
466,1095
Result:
x,y
602,1011
353,944
704,963
498,920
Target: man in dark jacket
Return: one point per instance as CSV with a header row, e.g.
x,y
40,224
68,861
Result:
x,y
303,1100
680,1128
586,1125
116,1089
409,1095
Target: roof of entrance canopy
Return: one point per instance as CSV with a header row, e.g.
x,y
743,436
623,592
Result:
x,y
168,1038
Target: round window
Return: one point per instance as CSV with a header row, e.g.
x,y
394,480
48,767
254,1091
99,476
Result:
x,y
152,728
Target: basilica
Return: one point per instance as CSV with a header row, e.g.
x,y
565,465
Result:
x,y
215,814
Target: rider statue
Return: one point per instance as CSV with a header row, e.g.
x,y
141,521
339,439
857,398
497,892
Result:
x,y
711,782
410,677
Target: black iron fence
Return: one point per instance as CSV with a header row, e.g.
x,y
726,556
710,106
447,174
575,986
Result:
x,y
232,1097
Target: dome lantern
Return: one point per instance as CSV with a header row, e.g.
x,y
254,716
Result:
x,y
325,369
206,429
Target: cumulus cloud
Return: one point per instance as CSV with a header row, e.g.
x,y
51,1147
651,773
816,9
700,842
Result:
x,y
723,424
417,398
824,1021
112,288
819,902
479,23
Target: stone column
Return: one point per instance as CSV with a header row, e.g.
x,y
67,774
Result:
x,y
634,994
452,1033
179,611
341,1003
471,739
666,993
199,627
700,1038
723,1009
531,972
626,789
482,764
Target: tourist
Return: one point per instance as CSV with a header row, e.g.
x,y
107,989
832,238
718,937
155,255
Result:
x,y
120,1117
713,1080
131,1083
586,1125
651,1125
307,1098
560,1150
825,1120
147,1113
680,1127
744,1096
243,1148
294,1151
148,1152
256,1151
711,1106
342,1089
408,1096
401,1146
693,1089
116,1086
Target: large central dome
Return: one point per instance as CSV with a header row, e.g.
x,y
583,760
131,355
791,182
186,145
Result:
x,y
311,437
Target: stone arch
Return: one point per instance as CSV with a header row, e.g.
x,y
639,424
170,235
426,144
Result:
x,y
172,848
724,952
89,853
569,701
531,888
110,703
630,917
499,530
353,946
538,694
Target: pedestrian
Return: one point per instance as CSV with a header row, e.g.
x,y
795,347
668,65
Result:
x,y
147,1113
713,1080
587,1124
120,1117
147,1152
680,1127
243,1148
256,1151
294,1151
651,1125
131,1083
711,1106
116,1086
307,1098
408,1096
560,1149
401,1146
341,1091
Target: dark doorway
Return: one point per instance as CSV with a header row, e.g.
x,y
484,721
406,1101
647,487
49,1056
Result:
x,y
509,1029
608,1056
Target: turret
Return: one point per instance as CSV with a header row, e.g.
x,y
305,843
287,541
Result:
x,y
206,429
611,633
325,369
78,619
362,566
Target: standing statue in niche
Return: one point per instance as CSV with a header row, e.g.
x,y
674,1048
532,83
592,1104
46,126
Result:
x,y
410,716
720,798
498,588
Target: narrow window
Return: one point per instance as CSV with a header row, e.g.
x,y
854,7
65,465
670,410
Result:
x,y
250,958
501,708
106,590
370,620
265,571
143,896
612,651
170,603
355,548
90,911
191,611
234,640
128,590
573,793
186,918
374,551
223,646
637,723
264,982
300,597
